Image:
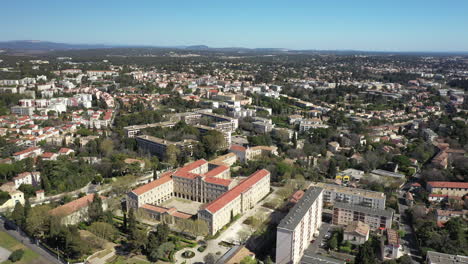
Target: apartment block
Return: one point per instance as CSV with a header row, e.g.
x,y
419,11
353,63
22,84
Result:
x,y
335,193
298,228
157,146
345,213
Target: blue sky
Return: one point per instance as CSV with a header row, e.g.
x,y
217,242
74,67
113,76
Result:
x,y
410,25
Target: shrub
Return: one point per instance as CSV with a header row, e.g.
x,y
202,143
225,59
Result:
x,y
201,248
188,254
16,255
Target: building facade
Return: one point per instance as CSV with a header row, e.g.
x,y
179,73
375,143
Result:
x,y
447,188
299,227
336,193
238,200
345,213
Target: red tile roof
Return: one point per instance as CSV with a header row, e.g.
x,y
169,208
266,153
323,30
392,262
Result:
x,y
48,155
73,206
191,166
228,196
185,174
443,184
216,171
218,181
31,149
151,185
237,148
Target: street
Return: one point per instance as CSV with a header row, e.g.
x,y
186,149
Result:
x,y
25,240
408,241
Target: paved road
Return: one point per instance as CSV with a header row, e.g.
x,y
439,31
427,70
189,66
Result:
x,y
27,242
408,241
322,232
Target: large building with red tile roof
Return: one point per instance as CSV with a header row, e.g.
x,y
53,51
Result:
x,y
77,210
245,154
448,188
197,182
238,200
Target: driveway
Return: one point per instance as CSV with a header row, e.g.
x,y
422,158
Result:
x,y
4,254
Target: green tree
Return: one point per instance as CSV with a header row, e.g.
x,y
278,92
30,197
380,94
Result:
x,y
213,141
333,242
104,230
248,260
4,196
171,155
95,210
18,215
16,255
366,253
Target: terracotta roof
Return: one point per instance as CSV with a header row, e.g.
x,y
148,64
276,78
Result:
x,y
185,174
191,166
218,181
216,171
444,184
357,227
48,155
73,206
154,208
65,150
296,196
151,185
25,151
228,196
237,148
393,237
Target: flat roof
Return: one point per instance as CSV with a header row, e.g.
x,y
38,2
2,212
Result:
x,y
387,173
349,190
292,219
364,209
442,258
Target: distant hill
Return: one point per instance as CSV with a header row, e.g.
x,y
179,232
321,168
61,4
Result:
x,y
40,47
28,45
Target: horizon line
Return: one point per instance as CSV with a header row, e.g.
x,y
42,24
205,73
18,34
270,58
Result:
x,y
232,47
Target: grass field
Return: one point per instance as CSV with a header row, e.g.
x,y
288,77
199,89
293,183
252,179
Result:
x,y
124,260
10,243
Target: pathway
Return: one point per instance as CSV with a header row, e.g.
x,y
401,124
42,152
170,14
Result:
x,y
4,254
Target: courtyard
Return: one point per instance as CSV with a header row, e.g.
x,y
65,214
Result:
x,y
183,205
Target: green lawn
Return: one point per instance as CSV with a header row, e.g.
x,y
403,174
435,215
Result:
x,y
10,243
124,260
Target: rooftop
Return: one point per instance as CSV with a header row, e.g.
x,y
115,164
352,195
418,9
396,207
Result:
x,y
73,206
292,219
387,173
151,185
442,258
444,184
364,209
230,195
349,190
357,227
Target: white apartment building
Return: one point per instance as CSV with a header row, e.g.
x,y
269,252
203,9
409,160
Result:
x,y
335,193
299,227
345,213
